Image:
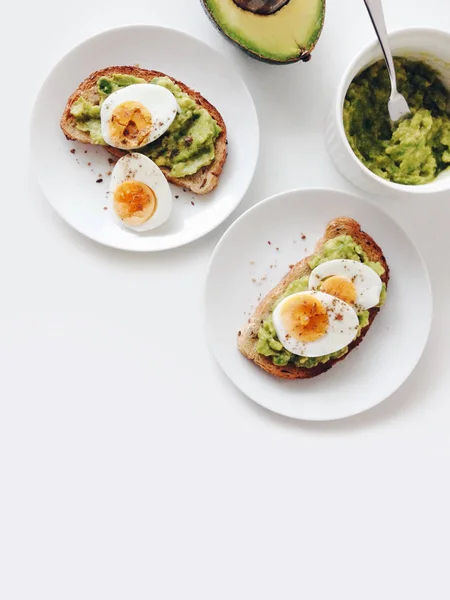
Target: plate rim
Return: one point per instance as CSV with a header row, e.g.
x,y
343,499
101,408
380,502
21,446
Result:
x,y
207,47
355,197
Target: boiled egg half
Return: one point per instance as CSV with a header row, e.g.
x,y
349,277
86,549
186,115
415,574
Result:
x,y
314,323
141,196
351,281
137,115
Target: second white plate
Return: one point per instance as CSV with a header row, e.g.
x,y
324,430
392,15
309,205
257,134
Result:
x,y
252,257
69,180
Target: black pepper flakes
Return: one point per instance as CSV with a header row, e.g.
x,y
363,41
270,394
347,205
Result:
x,y
99,181
73,151
193,203
111,161
269,242
177,197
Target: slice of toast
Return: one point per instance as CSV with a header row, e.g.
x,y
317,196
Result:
x,y
248,336
203,181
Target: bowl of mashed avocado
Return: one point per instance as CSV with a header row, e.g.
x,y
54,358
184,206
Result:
x,y
409,157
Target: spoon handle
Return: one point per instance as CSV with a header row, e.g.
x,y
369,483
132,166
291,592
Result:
x,y
375,10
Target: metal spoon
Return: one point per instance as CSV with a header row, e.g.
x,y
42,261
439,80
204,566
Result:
x,y
397,105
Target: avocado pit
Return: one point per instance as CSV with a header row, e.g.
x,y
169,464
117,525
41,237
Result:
x,y
261,7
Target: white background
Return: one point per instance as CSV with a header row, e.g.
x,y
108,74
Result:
x,y
125,476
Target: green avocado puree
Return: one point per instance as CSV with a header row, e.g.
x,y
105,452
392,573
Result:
x,y
186,147
411,152
340,247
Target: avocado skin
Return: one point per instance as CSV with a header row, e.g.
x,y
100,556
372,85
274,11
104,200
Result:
x,y
304,57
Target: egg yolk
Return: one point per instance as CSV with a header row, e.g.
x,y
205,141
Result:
x,y
340,287
305,318
130,125
134,202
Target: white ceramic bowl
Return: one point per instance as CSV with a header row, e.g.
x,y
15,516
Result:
x,y
428,45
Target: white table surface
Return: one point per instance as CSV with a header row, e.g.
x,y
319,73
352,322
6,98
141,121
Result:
x,y
124,477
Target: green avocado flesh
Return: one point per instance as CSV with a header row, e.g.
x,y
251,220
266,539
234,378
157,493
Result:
x,y
340,247
413,151
282,37
186,147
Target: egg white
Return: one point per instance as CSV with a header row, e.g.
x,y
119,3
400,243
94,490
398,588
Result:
x,y
367,283
138,167
340,332
158,100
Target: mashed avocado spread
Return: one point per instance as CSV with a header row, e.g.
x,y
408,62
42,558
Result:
x,y
186,147
340,247
413,151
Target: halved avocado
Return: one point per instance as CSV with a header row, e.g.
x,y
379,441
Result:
x,y
275,31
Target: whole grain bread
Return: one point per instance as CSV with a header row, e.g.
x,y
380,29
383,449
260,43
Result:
x,y
248,336
203,181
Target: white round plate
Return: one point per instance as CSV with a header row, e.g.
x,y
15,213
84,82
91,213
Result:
x,y
245,266
69,180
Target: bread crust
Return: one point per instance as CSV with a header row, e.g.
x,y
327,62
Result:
x,y
248,335
202,182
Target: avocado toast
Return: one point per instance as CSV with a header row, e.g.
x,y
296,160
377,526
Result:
x,y
202,181
249,338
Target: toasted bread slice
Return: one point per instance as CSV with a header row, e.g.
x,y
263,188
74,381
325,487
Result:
x,y
203,181
248,336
